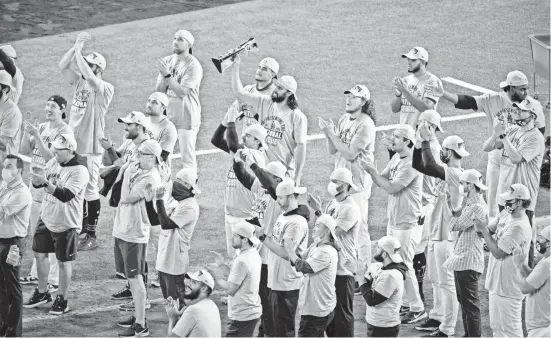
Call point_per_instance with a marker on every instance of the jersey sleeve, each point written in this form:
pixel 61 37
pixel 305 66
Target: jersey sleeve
pixel 238 272
pixel 78 180
pixel 364 136
pixel 347 218
pixel 386 285
pixel 539 275
pixel 10 123
pixel 168 139
pixel 104 95
pixel 192 76
pixel 532 146
pixel 319 260
pixel 511 238
pixel 432 82
pixel 295 233
pixel 186 323
pixel 183 216
pixel 300 127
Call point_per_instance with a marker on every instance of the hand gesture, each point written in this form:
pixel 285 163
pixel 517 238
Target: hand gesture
pixel 105 143
pixel 160 193
pixel 237 157
pixel 314 202
pixel 386 141
pixel 367 165
pixel 324 125
pixel 38 178
pixel 260 232
pixel 518 256
pixel 436 89
pixel 399 85
pixel 480 225
pixel 236 60
pixel 424 131
pixel 172 308
pixel 499 128
pixel 162 67
pixel 395 81
pixel 32 129
pixel 79 46
pixel 83 37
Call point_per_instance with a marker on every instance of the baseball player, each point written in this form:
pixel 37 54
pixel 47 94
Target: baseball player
pixel 7 58
pixel 10 119
pixel 37 142
pixel 405 222
pixel 411 94
pixel 497 107
pixel 180 76
pixel 160 128
pixel 64 181
pixel 91 99
pixel 279 114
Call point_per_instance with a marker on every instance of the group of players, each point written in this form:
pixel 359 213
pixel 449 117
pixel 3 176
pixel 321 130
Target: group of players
pixel 440 215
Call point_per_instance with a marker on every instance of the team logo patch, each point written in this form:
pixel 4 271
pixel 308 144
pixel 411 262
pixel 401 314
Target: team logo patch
pixel 275 128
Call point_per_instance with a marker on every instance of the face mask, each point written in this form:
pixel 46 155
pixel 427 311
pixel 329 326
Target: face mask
pixel 509 207
pixel 179 192
pixel 7 176
pixel 523 122
pixel 379 257
pixel 332 189
pixel 445 157
pixel 541 248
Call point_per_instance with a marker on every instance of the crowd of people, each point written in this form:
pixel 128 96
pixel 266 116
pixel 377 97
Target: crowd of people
pixel 440 214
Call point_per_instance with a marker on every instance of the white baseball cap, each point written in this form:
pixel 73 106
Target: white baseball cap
pixel 417 53
pixel 271 64
pixel 517 191
pixel 329 222
pixel 188 176
pixel 514 78
pixel 151 147
pixel 457 144
pixel 433 117
pixel 6 80
pixel 258 132
pixel 276 168
pixel 391 246
pixel 405 131
pixel 474 177
pixel 287 187
pixel 359 91
pixel 288 82
pixel 528 105
pixel 546 233
pixel 202 276
pixel 65 141
pixel 96 59
pixel 9 50
pixel 344 175
pixel 161 97
pixel 137 118
pixel 186 35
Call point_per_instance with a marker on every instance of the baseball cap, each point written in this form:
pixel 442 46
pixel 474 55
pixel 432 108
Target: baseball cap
pixel 245 230
pixel 151 147
pixel 161 97
pixel 456 144
pixel 137 118
pixel 258 131
pixel 96 59
pixel 472 176
pixel 202 276
pixel 359 91
pixel 390 245
pixel 528 105
pixel 288 82
pixel 287 187
pixel 186 35
pixel 276 168
pixel 417 53
pixel 405 131
pixel 433 117
pixel 514 78
pixel 517 191
pixel 271 64
pixel 5 79
pixel 329 222
pixel 60 101
pixel 546 233
pixel 344 175
pixel 188 176
pixel 9 50
pixel 65 141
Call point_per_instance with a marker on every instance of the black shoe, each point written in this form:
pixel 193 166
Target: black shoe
pixel 436 333
pixel 127 322
pixel 38 298
pixel 429 325
pixel 125 293
pixel 404 310
pixel 120 275
pixel 60 306
pixel 136 331
pixel 413 317
pixel 3 330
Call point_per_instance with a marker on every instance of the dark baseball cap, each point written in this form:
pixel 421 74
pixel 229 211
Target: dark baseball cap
pixel 60 101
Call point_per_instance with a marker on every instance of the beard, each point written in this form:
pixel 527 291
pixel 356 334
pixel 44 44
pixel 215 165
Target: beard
pixel 132 135
pixel 192 295
pixel 516 97
pixel 379 258
pixel 416 69
pixel 277 98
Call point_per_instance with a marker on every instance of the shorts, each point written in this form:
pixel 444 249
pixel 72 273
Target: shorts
pixel 130 258
pixel 64 244
pixel 92 188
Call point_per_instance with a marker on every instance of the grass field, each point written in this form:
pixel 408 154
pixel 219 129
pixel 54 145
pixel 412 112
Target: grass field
pixel 328 46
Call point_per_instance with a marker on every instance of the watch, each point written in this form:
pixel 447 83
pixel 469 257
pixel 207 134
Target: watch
pixel 502 136
pixel 167 76
pixel 262 238
pixel 317 213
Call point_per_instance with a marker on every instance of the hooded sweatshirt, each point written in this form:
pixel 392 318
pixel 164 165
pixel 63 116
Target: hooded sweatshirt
pixel 371 296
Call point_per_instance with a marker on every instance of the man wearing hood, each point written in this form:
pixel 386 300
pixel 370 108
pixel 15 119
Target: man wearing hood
pixel 383 288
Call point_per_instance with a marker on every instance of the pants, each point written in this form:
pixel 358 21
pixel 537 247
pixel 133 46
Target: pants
pixel 408 240
pixel 492 182
pixel 427 213
pixel 11 294
pixel 92 189
pixel 420 266
pixel 235 328
pixel 284 308
pixel 172 286
pixel 375 331
pixel 540 332
pixel 445 301
pixel 187 138
pixel 266 328
pixel 312 326
pixel 230 222
pixel 342 324
pixel 505 316
pixel 364 239
pixel 466 283
pixel 53 275
pixel 153 245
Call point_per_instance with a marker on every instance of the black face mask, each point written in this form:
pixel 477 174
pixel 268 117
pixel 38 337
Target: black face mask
pixel 541 248
pixel 179 192
pixel 379 257
pixel 445 157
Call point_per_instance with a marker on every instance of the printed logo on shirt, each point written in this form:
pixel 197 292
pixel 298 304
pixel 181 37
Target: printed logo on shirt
pixel 259 207
pixel 278 231
pixel 515 141
pixel 504 116
pixel 247 115
pixel 80 101
pixel 346 136
pixel 275 128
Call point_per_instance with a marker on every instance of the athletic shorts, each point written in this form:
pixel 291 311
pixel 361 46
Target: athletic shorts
pixel 130 258
pixel 64 244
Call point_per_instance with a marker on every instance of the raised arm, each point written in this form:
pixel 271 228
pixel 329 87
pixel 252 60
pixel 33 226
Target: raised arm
pixel 65 65
pixel 85 69
pixel 218 140
pixel 237 86
pixel 232 138
pixel 7 63
pixel 432 168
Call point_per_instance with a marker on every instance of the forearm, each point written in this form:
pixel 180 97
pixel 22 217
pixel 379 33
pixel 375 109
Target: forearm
pixel 417 103
pixel 47 154
pixel 300 160
pixel 237 87
pixel 231 138
pixel 417 160
pixel 465 102
pixel 110 156
pixel 276 248
pixel 161 85
pixel 452 97
pixel 330 147
pixel 396 104
pixel 171 323
pixel 491 244
pixel 342 148
pixel 525 270
pixel 429 163
pixel 512 152
pixel 26 146
pixel 218 140
pixel 164 219
pixel 490 143
pixel 62 194
pixel 66 60
pixel 242 175
pixel 177 88
pixel 83 67
pixel 7 63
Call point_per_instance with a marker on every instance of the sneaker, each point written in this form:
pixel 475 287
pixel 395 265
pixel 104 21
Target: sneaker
pixel 125 293
pixel 155 281
pixel 130 306
pixel 60 306
pixel 38 298
pixel 120 275
pixel 436 333
pixel 127 322
pixel 404 310
pixel 413 317
pixel 136 331
pixel 87 243
pixel 28 280
pixel 52 288
pixel 429 325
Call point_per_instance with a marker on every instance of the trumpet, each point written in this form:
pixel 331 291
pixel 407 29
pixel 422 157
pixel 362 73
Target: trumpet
pixel 225 60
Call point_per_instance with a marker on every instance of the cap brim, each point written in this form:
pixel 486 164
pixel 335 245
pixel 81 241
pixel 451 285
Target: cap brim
pixel 396 258
pixel 348 92
pixel 506 196
pixel 462 152
pixel 124 120
pixel 409 56
pixel 300 190
pixel 503 84
pixel 196 190
pixel 481 186
pixel 440 128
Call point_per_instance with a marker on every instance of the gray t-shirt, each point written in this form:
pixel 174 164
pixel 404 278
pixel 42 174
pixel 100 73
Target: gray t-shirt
pixel 390 284
pixel 199 320
pixel 538 303
pixel 245 304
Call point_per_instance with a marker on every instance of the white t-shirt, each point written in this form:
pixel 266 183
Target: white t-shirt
pixel 165 133
pixel 390 284
pixel 174 244
pixel 417 86
pixel 199 320
pixel 538 303
pixel 429 183
pixel 247 114
pixel 245 304
pixel 449 197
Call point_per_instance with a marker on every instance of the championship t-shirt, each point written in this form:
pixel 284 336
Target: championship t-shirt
pixel 128 152
pixel 449 198
pixel 538 303
pixel 165 133
pixel 390 284
pixel 247 114
pixel 417 86
pixel 87 115
pixel 245 304
pixel 201 319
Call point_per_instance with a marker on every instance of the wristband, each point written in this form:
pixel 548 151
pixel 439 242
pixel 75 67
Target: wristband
pixel 317 213
pixel 167 76
pixel 502 136
pixel 262 238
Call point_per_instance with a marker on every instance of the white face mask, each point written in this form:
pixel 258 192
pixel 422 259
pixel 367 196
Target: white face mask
pixel 332 189
pixel 7 175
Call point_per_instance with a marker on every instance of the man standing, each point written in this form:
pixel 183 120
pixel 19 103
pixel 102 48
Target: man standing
pixel 91 99
pixel 351 140
pixel 161 129
pixel 412 96
pixel 244 308
pixel 180 76
pixel 285 123
pixel 64 181
pixel 512 230
pixel 131 228
pixel 10 119
pixel 404 186
pixel 383 289
pixel 15 211
pixel 17 77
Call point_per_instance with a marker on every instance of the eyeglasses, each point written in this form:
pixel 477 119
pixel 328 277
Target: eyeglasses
pixel 140 153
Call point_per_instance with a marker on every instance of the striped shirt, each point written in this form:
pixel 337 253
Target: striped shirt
pixel 468 253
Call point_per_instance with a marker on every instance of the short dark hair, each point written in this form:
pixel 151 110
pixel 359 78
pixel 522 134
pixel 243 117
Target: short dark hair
pixel 410 144
pixel 19 161
pixel 209 290
pixel 476 188
pixel 4 86
pixel 526 203
pixel 292 102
